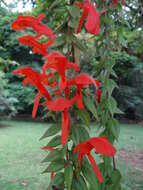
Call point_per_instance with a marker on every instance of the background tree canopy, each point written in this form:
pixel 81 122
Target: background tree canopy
pixel 16 100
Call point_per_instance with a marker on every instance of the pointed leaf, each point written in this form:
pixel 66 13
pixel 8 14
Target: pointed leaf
pixel 116 177
pixel 52 156
pixel 54 141
pixel 74 11
pixel 84 116
pixel 79 134
pixel 58 181
pixel 55 166
pixel 109 85
pixel 89 175
pixel 68 176
pixel 90 105
pixel 79 184
pixel 114 127
pixel 52 130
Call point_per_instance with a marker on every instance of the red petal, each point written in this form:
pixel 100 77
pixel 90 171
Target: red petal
pixel 84 79
pixel 59 104
pixel 102 146
pixel 36 103
pixel 81 21
pixel 79 101
pixel 37 46
pixel 67 91
pixel 97 83
pixel 98 95
pixel 34 79
pixel 63 82
pixel 52 175
pixel 65 127
pixel 73 66
pixel 92 23
pixel 23 22
pixel 83 148
pixel 95 168
pixel 41 16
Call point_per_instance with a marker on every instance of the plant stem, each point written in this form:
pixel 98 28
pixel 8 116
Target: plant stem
pixel 114 163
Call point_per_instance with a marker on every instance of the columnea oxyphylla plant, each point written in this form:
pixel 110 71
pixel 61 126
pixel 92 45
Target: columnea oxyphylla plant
pixel 69 154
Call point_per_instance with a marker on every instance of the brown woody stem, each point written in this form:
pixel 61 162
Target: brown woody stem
pixel 114 163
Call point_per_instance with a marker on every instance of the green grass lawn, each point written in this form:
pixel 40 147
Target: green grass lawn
pixel 20 156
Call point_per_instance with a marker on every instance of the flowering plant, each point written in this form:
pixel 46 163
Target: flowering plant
pixel 70 160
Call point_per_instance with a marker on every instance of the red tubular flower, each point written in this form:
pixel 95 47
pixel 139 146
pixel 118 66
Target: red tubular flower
pixel 62 104
pixel 101 145
pixel 59 62
pixel 35 79
pixel 23 22
pixel 98 91
pixel 36 103
pixel 65 126
pixel 92 22
pixel 80 81
pixel 37 46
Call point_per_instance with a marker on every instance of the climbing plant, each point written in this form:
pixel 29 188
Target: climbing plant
pixel 73 97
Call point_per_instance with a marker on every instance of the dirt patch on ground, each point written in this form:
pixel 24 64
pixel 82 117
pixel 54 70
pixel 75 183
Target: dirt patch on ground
pixel 132 157
pixel 4 126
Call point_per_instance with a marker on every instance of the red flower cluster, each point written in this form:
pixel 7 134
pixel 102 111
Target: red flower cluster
pixel 55 63
pixel 37 46
pixel 101 145
pixel 58 63
pixel 24 22
pixel 92 22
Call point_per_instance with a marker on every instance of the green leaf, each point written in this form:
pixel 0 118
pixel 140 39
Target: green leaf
pixel 118 111
pixel 54 4
pixel 112 105
pixel 68 176
pixel 79 134
pixel 62 27
pixel 84 116
pixel 60 41
pixel 114 127
pixel 55 166
pixel 52 130
pixel 58 181
pixel 109 85
pixel 89 174
pixel 90 105
pixel 54 141
pixel 116 177
pixel 74 11
pixel 49 114
pixel 80 184
pixel 54 155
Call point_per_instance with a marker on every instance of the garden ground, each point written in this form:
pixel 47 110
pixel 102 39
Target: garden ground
pixel 20 156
